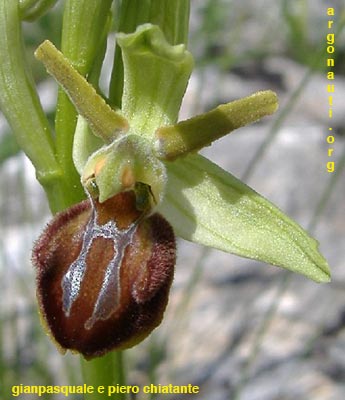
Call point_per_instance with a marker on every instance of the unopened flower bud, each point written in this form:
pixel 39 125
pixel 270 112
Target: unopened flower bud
pixel 104 272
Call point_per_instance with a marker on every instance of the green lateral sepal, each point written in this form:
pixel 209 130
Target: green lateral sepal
pixel 207 205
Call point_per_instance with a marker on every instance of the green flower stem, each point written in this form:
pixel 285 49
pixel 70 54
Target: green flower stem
pixel 172 16
pixel 83 27
pixel 21 106
pixel 105 122
pixel 195 133
pixel 19 100
pixel 83 23
pixel 105 371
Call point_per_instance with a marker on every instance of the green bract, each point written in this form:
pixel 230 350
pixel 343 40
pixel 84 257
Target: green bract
pixel 135 146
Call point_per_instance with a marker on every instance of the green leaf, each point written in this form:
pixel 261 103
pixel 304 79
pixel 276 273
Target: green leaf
pixel 207 205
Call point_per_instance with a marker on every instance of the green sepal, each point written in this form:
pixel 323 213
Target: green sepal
pixel 207 205
pixel 172 16
pixel 155 78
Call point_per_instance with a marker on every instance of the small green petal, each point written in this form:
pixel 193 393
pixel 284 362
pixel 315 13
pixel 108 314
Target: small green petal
pixel 105 122
pixel 84 144
pixel 195 133
pixel 207 205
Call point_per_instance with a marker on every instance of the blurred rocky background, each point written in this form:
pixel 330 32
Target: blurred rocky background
pixel 237 328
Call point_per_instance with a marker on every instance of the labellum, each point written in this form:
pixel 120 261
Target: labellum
pixel 104 271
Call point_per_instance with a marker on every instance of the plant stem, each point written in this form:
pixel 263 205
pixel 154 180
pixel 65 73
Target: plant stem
pixel 83 26
pixel 105 371
pixel 84 33
pixel 109 370
pixel 18 98
pixel 20 104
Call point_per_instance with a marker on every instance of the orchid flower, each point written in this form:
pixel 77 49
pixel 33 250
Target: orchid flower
pixel 145 180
